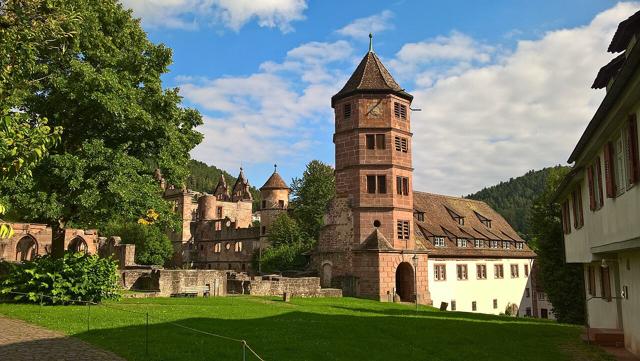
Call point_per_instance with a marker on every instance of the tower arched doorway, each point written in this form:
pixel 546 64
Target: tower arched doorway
pixel 78 245
pixel 26 249
pixel 404 282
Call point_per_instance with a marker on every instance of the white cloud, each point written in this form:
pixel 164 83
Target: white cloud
pixel 360 28
pixel 525 111
pixel 266 116
pixel 234 14
pixel 428 60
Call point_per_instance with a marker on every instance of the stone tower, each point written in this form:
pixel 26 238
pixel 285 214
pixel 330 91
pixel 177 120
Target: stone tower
pixel 275 200
pixel 367 246
pixel 373 153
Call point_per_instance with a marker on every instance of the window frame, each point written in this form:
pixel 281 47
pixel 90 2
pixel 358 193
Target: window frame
pixel 440 272
pixel 481 271
pixel 498 271
pixel 437 240
pixel 462 272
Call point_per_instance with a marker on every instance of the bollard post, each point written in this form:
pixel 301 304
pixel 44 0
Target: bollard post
pixel 146 338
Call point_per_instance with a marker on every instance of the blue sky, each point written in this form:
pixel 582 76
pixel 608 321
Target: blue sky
pixel 504 85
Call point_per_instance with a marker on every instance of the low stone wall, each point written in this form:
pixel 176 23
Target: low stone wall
pixel 276 286
pixel 169 282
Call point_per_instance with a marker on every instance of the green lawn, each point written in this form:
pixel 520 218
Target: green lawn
pixel 306 329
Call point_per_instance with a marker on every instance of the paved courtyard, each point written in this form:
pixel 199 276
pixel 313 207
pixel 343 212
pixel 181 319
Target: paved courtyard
pixel 21 341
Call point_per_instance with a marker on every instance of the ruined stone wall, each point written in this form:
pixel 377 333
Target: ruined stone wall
pixel 170 282
pixel 81 240
pixel 333 256
pixel 29 240
pixel 276 286
pixel 228 248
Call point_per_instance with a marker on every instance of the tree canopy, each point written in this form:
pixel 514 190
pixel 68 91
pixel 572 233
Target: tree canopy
pixel 514 198
pixel 563 282
pixel 311 195
pixel 90 70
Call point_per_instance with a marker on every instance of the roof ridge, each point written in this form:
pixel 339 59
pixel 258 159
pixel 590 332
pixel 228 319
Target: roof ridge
pixel 451 197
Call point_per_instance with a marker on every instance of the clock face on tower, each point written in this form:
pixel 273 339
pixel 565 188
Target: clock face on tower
pixel 374 109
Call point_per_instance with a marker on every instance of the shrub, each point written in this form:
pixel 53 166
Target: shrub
pixel 74 277
pixel 284 257
pixel 153 246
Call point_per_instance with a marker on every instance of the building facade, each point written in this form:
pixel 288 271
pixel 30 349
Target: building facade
pixel 384 241
pixel 600 197
pixel 223 234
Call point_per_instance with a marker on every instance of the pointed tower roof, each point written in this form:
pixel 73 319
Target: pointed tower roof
pixel 371 76
pixel 275 181
pixel 242 180
pixel 377 241
pixel 221 187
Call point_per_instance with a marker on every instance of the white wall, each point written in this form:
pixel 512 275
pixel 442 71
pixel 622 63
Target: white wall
pixel 484 291
pixel 616 221
pixel 602 313
pixel 630 277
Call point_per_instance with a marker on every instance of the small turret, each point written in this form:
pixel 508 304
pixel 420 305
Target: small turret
pixel 221 192
pixel 275 199
pixel 241 188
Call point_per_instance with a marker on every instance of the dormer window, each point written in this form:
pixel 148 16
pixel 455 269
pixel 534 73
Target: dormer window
pixel 347 111
pixel 461 242
pixel 477 243
pixel 494 244
pixel 438 241
pixel 505 245
pixel 484 220
pixel 456 217
pixel 520 246
pixel 420 216
pixel 400 110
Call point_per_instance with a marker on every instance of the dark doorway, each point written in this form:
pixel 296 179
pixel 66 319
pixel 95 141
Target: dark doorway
pixel 544 313
pixel 404 282
pixel 26 249
pixel 78 245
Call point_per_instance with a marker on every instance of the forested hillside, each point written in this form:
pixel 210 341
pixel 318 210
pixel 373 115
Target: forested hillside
pixel 513 199
pixel 204 178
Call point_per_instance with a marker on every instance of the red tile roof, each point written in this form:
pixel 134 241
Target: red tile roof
pixel 439 222
pixel 370 76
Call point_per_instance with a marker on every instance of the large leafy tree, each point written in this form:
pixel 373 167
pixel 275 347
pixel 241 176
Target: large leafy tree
pixel 99 79
pixel 562 282
pixel 311 195
pixel 287 245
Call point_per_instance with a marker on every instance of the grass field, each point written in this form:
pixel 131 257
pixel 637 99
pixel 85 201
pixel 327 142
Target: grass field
pixel 305 329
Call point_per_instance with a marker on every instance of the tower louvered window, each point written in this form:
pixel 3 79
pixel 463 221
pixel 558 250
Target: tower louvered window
pixel 347 111
pixel 403 230
pixel 402 144
pixel 400 110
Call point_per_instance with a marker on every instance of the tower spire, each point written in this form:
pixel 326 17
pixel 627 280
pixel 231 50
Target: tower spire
pixel 370 42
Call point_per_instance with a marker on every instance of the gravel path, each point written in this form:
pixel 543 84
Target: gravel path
pixel 21 341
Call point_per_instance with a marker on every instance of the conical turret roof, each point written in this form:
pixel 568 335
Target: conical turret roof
pixel 371 76
pixel 275 182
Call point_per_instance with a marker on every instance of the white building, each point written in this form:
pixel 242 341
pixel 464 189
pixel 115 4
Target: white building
pixel 477 262
pixel 600 199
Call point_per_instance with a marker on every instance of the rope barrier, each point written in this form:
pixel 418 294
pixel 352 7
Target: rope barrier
pixel 245 345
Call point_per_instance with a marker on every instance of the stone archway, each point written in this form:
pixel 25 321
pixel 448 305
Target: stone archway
pixel 405 282
pixel 327 270
pixel 78 245
pixel 26 249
